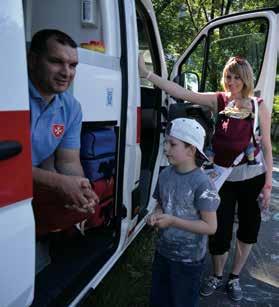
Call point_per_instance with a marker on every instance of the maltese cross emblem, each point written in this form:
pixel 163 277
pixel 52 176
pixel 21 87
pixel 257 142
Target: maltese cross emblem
pixel 57 130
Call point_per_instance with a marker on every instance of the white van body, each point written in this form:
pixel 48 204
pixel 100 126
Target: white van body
pixel 111 94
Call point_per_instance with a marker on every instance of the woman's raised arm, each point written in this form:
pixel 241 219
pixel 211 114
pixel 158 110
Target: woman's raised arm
pixel 177 91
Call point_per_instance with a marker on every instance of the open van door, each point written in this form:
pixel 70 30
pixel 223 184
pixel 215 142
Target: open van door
pixel 253 35
pixel 17 229
pixel 67 266
pixel 151 105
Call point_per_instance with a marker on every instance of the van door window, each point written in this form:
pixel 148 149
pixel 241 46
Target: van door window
pixel 191 70
pixel 207 60
pixel 275 112
pixel 245 39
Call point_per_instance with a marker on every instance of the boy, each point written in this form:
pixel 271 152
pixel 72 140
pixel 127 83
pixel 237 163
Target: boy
pixel 185 215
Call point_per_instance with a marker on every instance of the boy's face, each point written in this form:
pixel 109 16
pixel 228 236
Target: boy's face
pixel 177 151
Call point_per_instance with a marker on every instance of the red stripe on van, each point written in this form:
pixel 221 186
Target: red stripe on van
pixel 138 124
pixel 16 171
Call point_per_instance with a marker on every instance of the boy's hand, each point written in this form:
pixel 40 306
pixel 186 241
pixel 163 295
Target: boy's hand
pixel 151 219
pixel 164 220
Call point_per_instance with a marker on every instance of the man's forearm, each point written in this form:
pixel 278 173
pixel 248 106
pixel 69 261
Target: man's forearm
pixel 67 162
pixel 52 177
pixel 70 168
pixel 46 178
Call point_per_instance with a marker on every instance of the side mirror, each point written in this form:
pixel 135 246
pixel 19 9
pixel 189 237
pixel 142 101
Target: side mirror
pixel 190 80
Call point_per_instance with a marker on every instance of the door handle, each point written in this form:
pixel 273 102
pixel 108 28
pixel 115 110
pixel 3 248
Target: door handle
pixel 9 149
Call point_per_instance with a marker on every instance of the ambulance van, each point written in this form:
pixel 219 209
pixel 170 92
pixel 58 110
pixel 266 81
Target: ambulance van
pixel 110 34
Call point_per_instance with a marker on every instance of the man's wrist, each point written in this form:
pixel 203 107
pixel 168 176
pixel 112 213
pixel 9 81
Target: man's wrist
pixel 58 180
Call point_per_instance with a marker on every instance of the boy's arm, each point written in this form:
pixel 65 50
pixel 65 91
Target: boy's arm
pixel 206 225
pixel 177 91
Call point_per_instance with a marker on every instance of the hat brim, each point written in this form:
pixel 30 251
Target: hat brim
pixel 202 154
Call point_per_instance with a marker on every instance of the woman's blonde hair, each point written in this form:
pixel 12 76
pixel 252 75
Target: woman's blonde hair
pixel 241 67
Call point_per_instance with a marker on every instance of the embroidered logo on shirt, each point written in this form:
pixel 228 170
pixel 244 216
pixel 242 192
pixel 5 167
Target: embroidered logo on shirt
pixel 58 130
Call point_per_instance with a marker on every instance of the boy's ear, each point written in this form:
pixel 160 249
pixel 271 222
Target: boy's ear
pixel 193 150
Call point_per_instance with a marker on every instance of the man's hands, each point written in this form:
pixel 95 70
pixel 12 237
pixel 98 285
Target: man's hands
pixel 78 194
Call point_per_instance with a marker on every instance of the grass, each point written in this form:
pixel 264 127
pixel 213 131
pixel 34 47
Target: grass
pixel 128 283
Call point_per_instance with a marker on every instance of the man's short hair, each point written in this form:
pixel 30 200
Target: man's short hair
pixel 39 40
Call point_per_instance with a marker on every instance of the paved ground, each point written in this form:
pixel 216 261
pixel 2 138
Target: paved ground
pixel 260 278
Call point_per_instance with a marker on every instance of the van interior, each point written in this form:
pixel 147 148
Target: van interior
pixel 67 261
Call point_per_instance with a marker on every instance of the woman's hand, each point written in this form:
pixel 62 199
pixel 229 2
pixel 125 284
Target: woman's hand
pixel 266 196
pixel 143 71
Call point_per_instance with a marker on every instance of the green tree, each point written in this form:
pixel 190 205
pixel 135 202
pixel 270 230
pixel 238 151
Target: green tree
pixel 181 20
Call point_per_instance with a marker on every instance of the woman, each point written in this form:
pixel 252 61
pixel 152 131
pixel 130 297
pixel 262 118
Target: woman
pixel 246 181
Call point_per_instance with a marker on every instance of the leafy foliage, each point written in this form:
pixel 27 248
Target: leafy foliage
pixel 180 20
pixel 275 115
pixel 276 108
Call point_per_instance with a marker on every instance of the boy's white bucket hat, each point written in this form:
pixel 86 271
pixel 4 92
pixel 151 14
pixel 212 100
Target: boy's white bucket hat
pixel 190 131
